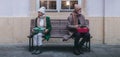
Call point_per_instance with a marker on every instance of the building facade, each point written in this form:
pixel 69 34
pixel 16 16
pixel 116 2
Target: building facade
pixel 15 16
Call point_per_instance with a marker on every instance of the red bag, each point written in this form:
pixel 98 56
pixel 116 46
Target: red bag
pixel 83 29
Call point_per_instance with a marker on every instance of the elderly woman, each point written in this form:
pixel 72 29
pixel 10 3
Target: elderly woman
pixel 76 20
pixel 42 28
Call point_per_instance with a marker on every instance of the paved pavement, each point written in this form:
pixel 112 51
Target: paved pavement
pixel 60 51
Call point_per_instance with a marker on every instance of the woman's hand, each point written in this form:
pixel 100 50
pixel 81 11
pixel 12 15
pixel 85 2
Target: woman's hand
pixel 32 30
pixel 46 30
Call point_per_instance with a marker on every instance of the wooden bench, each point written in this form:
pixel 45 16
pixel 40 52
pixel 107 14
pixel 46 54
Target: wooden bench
pixel 58 31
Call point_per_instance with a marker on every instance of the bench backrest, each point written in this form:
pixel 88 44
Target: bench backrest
pixel 58 27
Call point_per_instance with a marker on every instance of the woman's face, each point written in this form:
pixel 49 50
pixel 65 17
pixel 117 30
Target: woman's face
pixel 40 14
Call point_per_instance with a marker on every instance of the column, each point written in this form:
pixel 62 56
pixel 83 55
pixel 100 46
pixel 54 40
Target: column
pixel 58 5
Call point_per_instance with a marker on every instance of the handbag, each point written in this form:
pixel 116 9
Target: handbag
pixel 83 29
pixel 38 29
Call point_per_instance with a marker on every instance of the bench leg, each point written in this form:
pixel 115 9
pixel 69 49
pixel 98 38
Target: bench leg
pixel 86 45
pixel 30 44
pixel 89 45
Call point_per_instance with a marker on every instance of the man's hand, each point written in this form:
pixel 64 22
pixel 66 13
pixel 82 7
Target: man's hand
pixel 76 26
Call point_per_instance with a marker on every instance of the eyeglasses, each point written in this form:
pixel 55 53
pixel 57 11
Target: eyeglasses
pixel 79 9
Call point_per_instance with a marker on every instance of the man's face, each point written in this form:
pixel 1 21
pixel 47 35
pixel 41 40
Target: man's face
pixel 40 14
pixel 79 11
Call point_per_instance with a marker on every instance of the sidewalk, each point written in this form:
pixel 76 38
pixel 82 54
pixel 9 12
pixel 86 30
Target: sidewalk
pixel 60 51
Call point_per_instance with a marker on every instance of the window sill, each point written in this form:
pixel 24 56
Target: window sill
pixel 51 10
pixel 66 10
pixel 62 10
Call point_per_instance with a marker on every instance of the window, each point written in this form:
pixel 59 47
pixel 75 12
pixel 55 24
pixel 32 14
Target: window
pixel 49 4
pixel 68 4
pixel 58 5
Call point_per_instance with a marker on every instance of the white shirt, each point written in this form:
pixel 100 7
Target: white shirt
pixel 41 23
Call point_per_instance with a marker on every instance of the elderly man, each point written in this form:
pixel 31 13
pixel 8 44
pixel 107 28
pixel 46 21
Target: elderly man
pixel 76 20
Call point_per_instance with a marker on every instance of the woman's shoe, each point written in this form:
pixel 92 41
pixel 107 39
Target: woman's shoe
pixel 38 52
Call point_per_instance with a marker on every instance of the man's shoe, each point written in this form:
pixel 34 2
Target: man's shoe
pixel 81 52
pixel 34 51
pixel 76 52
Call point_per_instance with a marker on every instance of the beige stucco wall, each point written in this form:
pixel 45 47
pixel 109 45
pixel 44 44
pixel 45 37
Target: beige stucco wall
pixel 14 30
pixel 112 30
